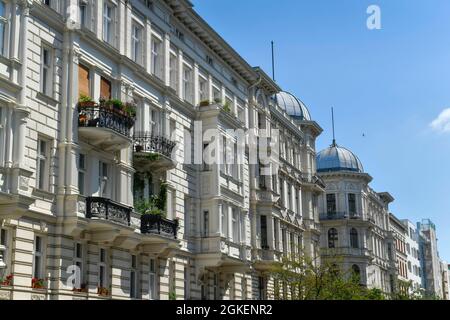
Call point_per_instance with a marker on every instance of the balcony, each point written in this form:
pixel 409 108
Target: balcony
pixel 108 210
pixel 339 216
pixel 156 224
pixel 345 251
pixel 104 125
pixel 153 153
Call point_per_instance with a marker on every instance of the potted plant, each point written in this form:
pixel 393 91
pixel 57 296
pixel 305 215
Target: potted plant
pixel 130 109
pixel 101 291
pixel 86 101
pixel 82 289
pixel 204 103
pixel 226 107
pixel 138 148
pixel 37 283
pixel 7 282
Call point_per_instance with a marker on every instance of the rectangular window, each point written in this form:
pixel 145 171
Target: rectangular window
pixel 108 23
pixel 331 203
pixel 152 280
pixel 187 283
pixel 283 240
pixel 187 84
pixel 202 89
pixel 261 288
pixel 82 174
pixel 244 288
pixel 3 28
pixel 105 88
pixel 84 81
pixel 216 287
pixel 136 43
pixel 46 71
pixel 133 278
pixel 235 224
pixel 157 58
pixel 206 224
pixel 104 191
pixel 78 259
pixel 4 250
pixel 352 204
pixel 264 243
pixel 217 95
pixel 289 195
pixel 38 258
pixel 276 234
pixel 173 65
pixel 102 269
pixel 292 244
pixel 42 167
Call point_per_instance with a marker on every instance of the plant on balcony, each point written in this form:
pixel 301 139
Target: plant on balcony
pixel 156 205
pixel 103 292
pixel 172 295
pixel 86 101
pixel 226 107
pixel 218 100
pixel 37 283
pixel 130 109
pixel 204 103
pixel 7 282
pixel 82 289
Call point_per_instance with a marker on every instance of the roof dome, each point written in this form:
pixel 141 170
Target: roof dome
pixel 292 105
pixel 336 158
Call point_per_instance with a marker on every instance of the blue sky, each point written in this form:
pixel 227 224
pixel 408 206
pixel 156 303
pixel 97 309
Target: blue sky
pixel 387 86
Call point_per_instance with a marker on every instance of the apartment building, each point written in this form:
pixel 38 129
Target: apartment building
pixel 399 230
pixel 103 108
pixel 354 220
pixel 413 256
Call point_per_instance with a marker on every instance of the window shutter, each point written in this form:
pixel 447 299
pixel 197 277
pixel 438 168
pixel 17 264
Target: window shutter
pixel 83 81
pixel 105 88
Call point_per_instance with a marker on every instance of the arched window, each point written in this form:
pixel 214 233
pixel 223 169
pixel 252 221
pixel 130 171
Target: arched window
pixel 354 238
pixel 356 271
pixel 332 238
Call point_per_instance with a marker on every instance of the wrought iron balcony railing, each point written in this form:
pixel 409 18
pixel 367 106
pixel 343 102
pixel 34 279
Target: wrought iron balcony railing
pixel 156 224
pixel 339 215
pixel 102 208
pixel 150 143
pixel 100 116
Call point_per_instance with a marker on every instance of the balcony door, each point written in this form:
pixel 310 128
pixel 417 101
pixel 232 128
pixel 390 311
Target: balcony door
pixel 104 180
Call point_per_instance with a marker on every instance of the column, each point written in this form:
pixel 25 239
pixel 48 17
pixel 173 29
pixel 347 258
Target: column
pixel 167 59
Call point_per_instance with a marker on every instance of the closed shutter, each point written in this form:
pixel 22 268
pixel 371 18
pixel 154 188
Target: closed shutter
pixel 83 81
pixel 105 88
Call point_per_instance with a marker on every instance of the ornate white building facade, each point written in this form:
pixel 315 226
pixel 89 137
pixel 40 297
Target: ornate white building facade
pixel 98 116
pixel 355 220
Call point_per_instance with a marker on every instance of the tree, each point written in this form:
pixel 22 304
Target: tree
pixel 301 278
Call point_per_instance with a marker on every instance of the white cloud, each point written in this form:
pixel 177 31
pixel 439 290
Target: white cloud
pixel 442 122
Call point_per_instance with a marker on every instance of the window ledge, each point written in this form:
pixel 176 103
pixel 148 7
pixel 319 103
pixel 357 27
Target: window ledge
pixel 43 194
pixel 46 98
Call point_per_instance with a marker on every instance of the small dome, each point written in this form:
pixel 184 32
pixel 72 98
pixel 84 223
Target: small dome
pixel 336 158
pixel 292 105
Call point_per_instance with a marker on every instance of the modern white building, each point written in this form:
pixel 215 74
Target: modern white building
pixel 413 255
pixel 100 103
pixel 355 219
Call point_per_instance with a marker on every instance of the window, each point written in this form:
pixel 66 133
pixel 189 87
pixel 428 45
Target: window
pixel 352 204
pixel 152 280
pixel 102 269
pixel 292 244
pixel 283 240
pixel 85 13
pixel 136 43
pixel 356 271
pixel 187 84
pixel 205 224
pixel 157 57
pixel 4 251
pixel 108 22
pixel 202 89
pixel 42 168
pixel 276 234
pixel 235 224
pixel 223 217
pixel 81 173
pixel 133 278
pixel 173 72
pixel 354 238
pixel 104 191
pixel 216 287
pixel 264 243
pixel 332 238
pixel 217 95
pixel 262 288
pixel 331 203
pixel 289 195
pixel 3 28
pixel 84 80
pixel 38 258
pixel 244 288
pixel 205 287
pixel 300 246
pixel 105 88
pixel 78 259
pixel 187 283
pixel 46 71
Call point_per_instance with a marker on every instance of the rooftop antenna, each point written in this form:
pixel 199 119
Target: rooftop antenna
pixel 273 62
pixel 332 119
